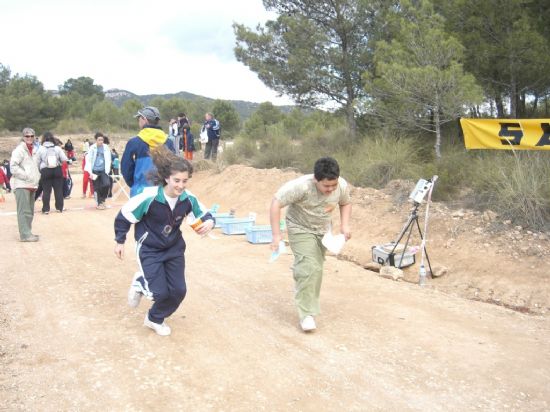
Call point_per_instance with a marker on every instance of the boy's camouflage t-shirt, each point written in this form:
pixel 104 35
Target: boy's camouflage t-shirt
pixel 309 211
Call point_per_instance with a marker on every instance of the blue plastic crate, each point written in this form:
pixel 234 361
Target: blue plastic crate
pixel 259 234
pixel 222 217
pixel 237 226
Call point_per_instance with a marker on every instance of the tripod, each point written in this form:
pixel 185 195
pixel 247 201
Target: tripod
pixel 413 218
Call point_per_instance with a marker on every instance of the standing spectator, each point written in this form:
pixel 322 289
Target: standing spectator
pixel 115 170
pixel 310 200
pixel 98 165
pixel 173 133
pixel 158 213
pixel 7 171
pixel 69 148
pixel 136 161
pixel 3 181
pixel 86 179
pixel 24 181
pixel 67 178
pixel 107 142
pixel 86 146
pixel 212 127
pixel 36 144
pixel 50 158
pixel 184 125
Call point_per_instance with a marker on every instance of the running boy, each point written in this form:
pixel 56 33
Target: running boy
pixel 158 213
pixel 310 200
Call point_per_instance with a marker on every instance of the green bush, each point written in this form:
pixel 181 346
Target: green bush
pixel 376 161
pixel 516 186
pixel 455 171
pixel 278 151
pixel 320 142
pixel 245 149
pixel 230 155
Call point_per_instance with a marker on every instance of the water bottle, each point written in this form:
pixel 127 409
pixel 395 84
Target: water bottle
pixel 422 277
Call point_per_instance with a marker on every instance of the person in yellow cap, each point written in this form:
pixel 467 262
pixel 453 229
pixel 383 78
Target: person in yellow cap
pixel 136 162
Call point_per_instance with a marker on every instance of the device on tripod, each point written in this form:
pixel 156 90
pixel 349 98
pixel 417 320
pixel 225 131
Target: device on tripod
pixel 386 254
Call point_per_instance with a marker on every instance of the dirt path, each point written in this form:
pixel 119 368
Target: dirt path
pixel 69 342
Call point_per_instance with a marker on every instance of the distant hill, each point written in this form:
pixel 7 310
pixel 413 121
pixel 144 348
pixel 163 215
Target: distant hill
pixel 245 109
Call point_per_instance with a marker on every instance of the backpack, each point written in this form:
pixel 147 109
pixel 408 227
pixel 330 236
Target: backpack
pixel 51 158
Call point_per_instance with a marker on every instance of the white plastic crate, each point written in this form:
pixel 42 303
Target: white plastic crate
pixel 259 234
pixel 222 217
pixel 237 226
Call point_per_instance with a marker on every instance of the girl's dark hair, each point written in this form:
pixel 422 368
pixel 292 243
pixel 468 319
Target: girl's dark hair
pixel 166 164
pixel 48 137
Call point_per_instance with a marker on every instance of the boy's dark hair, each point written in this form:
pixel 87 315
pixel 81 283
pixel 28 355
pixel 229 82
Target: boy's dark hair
pixel 326 168
pixel 98 134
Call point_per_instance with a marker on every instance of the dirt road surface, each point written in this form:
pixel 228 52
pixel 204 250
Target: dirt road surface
pixel 69 342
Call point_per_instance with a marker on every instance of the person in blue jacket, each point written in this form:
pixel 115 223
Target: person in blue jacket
pixel 213 129
pixel 158 213
pixel 136 161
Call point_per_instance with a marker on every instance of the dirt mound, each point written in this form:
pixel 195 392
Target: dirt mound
pixel 482 257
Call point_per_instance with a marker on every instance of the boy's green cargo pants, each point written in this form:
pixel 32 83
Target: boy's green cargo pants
pixel 309 256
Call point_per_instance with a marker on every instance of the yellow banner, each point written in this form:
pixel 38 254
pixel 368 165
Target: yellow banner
pixel 506 134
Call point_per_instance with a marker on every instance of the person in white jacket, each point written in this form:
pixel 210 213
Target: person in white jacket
pixel 98 165
pixel 50 160
pixel 24 182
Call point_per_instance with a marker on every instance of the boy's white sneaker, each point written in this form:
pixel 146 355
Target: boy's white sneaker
pixel 308 324
pixel 161 329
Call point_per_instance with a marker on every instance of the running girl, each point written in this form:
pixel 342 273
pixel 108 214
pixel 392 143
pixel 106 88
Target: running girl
pixel 158 213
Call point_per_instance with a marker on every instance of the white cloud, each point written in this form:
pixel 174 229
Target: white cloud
pixel 145 47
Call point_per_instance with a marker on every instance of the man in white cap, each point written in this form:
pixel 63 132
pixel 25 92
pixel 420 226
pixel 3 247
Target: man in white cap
pixel 24 182
pixel 136 161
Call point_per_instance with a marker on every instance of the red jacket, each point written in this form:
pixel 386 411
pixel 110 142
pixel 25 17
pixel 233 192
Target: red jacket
pixel 3 177
pixel 65 169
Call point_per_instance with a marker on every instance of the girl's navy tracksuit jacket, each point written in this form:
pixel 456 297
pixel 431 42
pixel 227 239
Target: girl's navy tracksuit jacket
pixel 160 246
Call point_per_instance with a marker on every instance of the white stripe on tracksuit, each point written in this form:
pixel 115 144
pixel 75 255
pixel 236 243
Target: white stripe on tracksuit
pixel 135 283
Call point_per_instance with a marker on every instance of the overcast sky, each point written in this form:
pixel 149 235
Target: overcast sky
pixel 143 46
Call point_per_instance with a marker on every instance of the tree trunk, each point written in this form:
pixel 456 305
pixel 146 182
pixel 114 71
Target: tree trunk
pixel 513 98
pixel 523 104
pixel 350 116
pixel 437 125
pixel 535 105
pixel 500 106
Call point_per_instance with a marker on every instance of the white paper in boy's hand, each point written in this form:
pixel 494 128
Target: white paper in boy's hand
pixel 277 253
pixel 333 243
